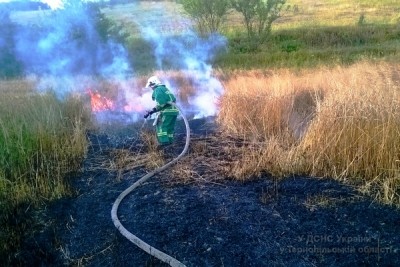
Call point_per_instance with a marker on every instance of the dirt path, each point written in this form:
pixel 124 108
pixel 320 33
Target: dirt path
pixel 297 221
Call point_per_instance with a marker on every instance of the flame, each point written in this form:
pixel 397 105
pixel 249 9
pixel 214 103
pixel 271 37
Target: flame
pixel 100 103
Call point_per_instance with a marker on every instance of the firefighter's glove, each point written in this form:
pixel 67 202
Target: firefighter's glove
pixel 154 110
pixel 146 115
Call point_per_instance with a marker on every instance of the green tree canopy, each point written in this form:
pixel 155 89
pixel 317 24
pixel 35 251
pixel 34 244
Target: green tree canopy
pixel 258 15
pixel 208 14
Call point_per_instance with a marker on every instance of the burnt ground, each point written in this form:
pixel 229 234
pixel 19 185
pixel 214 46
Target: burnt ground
pixel 294 221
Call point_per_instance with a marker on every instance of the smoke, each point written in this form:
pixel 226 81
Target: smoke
pixel 67 53
pixel 66 44
pixel 191 54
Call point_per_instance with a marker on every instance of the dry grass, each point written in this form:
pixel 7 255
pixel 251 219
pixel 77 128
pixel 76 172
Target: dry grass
pixel 155 155
pixel 339 122
pixel 42 139
pixel 199 166
pixel 320 13
pixel 149 157
pixel 356 131
pixel 267 104
pixel 338 12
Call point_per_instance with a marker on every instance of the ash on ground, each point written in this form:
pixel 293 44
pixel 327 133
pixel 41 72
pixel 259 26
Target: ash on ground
pixel 295 221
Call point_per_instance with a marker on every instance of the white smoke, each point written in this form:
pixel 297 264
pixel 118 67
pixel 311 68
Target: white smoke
pixel 194 59
pixel 65 54
pixel 187 52
pixel 66 45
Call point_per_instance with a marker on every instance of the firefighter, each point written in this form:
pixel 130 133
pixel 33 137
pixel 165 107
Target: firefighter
pixel 165 126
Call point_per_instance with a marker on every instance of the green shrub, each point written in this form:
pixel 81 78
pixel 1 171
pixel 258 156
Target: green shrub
pixel 208 14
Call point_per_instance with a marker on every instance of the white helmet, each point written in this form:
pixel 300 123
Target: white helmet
pixel 153 81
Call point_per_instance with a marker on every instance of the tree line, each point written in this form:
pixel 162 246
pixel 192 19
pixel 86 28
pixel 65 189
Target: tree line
pixel 258 15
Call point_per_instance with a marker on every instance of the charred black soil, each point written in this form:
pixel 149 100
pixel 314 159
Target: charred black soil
pixel 294 221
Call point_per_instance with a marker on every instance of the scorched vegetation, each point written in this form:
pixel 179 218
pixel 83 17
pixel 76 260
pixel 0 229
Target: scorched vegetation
pixel 314 92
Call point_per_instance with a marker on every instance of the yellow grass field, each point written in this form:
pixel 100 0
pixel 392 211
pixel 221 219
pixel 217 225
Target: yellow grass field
pixel 336 121
pixel 341 122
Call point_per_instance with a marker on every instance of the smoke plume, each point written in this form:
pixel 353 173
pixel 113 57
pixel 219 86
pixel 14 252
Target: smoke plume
pixel 65 52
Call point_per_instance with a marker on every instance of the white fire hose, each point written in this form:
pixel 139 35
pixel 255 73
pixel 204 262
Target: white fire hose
pixel 134 239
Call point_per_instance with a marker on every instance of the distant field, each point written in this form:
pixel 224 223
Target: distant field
pixel 165 17
pixel 308 33
pixel 338 12
pixel 296 13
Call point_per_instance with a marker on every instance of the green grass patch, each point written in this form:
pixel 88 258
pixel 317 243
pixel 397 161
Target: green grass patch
pixel 313 47
pixel 308 34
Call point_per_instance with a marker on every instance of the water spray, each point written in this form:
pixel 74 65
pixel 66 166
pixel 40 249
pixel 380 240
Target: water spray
pixel 131 237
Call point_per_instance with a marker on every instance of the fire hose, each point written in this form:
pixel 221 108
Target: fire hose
pixel 134 239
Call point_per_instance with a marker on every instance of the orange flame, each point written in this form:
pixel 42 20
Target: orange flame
pixel 99 102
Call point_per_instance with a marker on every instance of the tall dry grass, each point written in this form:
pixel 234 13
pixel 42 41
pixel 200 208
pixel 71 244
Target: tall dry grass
pixel 261 104
pixel 356 131
pixel 341 122
pixel 42 139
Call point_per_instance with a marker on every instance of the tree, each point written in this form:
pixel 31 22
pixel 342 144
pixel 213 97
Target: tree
pixel 258 15
pixel 208 14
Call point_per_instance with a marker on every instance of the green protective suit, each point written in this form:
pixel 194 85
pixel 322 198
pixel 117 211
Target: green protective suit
pixel 168 114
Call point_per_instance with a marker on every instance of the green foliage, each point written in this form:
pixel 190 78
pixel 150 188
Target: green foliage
pixel 208 14
pixel 243 45
pixel 103 25
pixel 290 46
pixel 311 47
pixel 258 15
